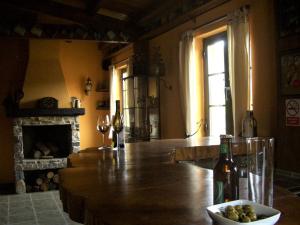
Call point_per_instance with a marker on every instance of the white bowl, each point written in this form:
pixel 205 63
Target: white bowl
pixel 273 214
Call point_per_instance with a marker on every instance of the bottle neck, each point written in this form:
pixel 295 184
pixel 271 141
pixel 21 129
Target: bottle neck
pixel 225 151
pixel 118 107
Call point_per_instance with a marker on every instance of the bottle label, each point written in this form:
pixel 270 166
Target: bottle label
pixel 219 192
pixel 243 188
pixel 224 148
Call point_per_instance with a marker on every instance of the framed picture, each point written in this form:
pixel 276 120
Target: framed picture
pixel 290 72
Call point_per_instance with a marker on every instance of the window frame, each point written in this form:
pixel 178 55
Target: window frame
pixel 228 100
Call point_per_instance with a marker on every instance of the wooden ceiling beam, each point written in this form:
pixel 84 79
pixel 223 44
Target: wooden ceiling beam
pixel 158 11
pixel 70 13
pixel 93 6
pixel 178 20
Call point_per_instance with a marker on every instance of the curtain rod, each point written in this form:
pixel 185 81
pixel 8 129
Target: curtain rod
pixel 120 62
pixel 220 19
pixel 215 21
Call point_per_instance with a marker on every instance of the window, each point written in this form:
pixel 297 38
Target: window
pixel 217 92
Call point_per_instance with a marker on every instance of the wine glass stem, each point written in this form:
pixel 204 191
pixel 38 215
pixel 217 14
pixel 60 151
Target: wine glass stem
pixel 103 139
pixel 117 141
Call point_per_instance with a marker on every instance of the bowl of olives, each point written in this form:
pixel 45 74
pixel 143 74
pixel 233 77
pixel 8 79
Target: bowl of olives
pixel 243 211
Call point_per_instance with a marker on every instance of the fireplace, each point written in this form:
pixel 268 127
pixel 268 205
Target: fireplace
pixel 55 135
pixel 50 141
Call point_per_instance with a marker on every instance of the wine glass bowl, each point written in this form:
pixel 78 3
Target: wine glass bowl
pixel 103 125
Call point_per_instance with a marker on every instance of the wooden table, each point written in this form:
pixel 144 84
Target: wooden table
pixel 142 187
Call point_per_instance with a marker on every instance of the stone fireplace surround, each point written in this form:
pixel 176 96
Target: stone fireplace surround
pixel 20 163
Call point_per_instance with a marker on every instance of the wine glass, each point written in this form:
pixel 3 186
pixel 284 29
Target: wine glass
pixel 103 124
pixel 117 123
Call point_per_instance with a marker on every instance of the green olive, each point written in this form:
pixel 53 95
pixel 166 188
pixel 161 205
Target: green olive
pixel 248 208
pixel 238 207
pixel 242 215
pixel 246 219
pixel 240 212
pixel 252 216
pixel 233 216
pixel 229 208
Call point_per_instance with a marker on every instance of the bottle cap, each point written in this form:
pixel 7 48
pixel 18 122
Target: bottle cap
pixel 226 136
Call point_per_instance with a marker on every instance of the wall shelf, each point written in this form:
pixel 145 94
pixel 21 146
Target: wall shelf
pixel 102 90
pixel 102 108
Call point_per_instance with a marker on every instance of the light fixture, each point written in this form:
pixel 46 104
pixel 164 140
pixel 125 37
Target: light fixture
pixel 88 86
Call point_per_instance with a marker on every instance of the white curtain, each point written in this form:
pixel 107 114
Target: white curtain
pixel 187 84
pixel 113 81
pixel 239 66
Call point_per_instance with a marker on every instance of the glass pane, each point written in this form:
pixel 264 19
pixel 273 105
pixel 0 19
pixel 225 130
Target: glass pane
pixel 124 74
pixel 217 120
pixel 129 122
pixel 154 122
pixel 140 91
pixel 215 56
pixel 140 118
pixel 152 88
pixel 128 93
pixel 216 89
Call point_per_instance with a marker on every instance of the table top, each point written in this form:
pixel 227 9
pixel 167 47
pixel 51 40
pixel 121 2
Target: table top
pixel 142 187
pixel 164 150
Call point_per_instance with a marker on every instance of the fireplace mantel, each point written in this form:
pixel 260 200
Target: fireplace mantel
pixel 35 112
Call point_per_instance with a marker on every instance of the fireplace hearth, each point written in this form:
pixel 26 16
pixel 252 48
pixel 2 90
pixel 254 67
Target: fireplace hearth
pixel 43 143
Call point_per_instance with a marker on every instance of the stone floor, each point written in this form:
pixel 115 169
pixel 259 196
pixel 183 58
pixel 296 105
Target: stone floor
pixel 43 208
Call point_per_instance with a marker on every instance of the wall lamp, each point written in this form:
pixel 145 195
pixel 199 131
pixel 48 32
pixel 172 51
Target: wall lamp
pixel 88 86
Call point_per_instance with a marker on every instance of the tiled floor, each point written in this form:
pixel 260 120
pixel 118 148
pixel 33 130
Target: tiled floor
pixel 33 209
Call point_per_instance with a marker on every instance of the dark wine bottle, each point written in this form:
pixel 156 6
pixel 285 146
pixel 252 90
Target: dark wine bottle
pixel 117 124
pixel 226 178
pixel 114 139
pixel 117 119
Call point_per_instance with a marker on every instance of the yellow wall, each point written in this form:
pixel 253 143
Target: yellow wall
pixel 44 75
pixel 263 37
pixel 78 60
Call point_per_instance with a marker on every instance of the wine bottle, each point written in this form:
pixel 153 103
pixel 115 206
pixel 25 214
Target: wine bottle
pixel 225 174
pixel 243 178
pixel 118 126
pixel 117 119
pixel 249 125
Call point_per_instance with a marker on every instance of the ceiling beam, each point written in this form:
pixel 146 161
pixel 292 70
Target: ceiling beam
pixel 180 19
pixel 93 6
pixel 70 13
pixel 158 11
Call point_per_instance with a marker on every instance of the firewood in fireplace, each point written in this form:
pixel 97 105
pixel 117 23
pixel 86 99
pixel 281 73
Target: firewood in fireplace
pixel 39 181
pixel 37 154
pixel 44 186
pixel 43 148
pixel 20 187
pixel 56 178
pixel 50 175
pixel 53 148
